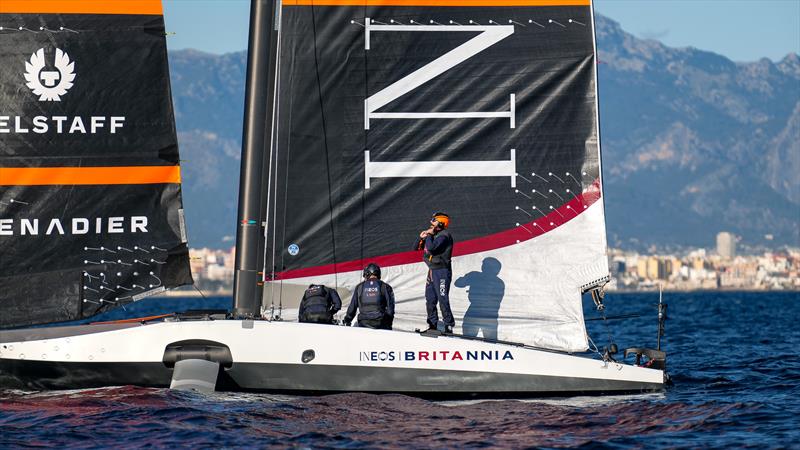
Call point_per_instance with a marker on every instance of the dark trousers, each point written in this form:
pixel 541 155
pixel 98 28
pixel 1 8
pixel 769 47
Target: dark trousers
pixel 317 318
pixel 384 323
pixel 437 290
pixel 322 322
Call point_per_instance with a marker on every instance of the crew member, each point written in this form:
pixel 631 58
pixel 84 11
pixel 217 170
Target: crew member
pixel 319 304
pixel 374 300
pixel 437 245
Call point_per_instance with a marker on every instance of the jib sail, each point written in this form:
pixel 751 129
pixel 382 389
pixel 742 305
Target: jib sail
pixel 391 110
pixel 90 199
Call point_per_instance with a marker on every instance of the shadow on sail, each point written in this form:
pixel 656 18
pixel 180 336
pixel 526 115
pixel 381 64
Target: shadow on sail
pixel 485 291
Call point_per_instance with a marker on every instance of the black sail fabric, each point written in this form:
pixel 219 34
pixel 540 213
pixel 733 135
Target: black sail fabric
pixel 90 203
pixel 392 110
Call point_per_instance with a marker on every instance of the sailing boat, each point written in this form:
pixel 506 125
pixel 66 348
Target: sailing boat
pixel 362 118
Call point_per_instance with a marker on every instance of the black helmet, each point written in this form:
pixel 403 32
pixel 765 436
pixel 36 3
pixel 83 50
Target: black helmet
pixel 372 269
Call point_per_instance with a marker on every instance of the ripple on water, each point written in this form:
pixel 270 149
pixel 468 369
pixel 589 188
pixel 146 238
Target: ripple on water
pixel 159 417
pixel 737 382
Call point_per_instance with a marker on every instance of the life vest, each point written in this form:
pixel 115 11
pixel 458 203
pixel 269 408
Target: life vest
pixel 442 260
pixel 316 304
pixel 372 300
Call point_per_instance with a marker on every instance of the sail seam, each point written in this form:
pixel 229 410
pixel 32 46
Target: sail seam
pixel 325 143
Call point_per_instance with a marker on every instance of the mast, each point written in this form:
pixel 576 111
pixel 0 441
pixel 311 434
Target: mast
pixel 256 138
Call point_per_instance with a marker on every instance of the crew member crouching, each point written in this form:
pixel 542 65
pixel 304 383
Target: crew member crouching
pixel 319 304
pixel 374 300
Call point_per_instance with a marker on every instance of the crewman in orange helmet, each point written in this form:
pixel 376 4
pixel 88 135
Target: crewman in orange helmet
pixel 437 245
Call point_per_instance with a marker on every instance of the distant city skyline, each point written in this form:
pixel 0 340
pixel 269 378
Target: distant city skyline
pixel 695 269
pixel 743 30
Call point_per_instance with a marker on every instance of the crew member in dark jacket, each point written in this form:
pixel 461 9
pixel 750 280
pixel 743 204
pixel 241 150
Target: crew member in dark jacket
pixel 374 300
pixel 319 304
pixel 437 245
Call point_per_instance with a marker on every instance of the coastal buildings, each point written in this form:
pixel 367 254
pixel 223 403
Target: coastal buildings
pixel 726 245
pixel 699 269
pixel 212 269
pixel 687 270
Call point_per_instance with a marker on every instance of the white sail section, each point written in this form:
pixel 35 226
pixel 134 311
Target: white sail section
pixel 528 293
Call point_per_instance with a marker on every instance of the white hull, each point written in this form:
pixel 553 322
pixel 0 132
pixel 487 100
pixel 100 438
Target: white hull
pixel 268 356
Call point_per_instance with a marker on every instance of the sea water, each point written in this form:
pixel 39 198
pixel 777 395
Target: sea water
pixel 733 357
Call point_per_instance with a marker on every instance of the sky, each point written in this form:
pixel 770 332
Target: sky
pixel 742 30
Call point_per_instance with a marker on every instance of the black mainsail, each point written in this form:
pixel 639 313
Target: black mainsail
pixel 91 214
pixel 389 110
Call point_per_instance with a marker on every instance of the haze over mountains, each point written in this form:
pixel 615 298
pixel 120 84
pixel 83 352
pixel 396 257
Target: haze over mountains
pixel 693 143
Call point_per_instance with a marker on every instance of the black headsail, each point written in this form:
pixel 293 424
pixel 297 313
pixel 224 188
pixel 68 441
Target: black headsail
pixel 90 203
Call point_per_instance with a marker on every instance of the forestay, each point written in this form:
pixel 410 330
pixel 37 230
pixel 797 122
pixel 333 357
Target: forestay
pixel 90 202
pixel 390 110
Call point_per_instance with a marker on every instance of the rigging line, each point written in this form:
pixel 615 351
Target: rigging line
pixel 274 236
pixel 285 176
pixel 273 155
pixel 607 326
pixel 325 141
pixel 267 221
pixel 286 179
pixel 274 240
pixel 623 316
pixel 596 350
pixel 199 291
pixel 366 143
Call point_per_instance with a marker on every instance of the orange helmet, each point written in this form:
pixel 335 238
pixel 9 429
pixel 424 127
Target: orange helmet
pixel 442 218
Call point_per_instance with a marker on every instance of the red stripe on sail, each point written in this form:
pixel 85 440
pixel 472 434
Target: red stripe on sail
pixel 522 233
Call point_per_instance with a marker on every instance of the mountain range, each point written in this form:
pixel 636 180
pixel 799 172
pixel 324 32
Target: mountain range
pixel 693 143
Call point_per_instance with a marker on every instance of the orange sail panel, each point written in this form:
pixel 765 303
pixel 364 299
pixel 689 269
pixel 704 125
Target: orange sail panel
pixel 52 176
pixel 143 7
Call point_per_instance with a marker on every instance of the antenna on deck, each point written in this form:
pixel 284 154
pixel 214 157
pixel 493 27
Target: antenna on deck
pixel 662 316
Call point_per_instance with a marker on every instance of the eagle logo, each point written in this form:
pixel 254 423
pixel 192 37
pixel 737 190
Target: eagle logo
pixel 49 85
